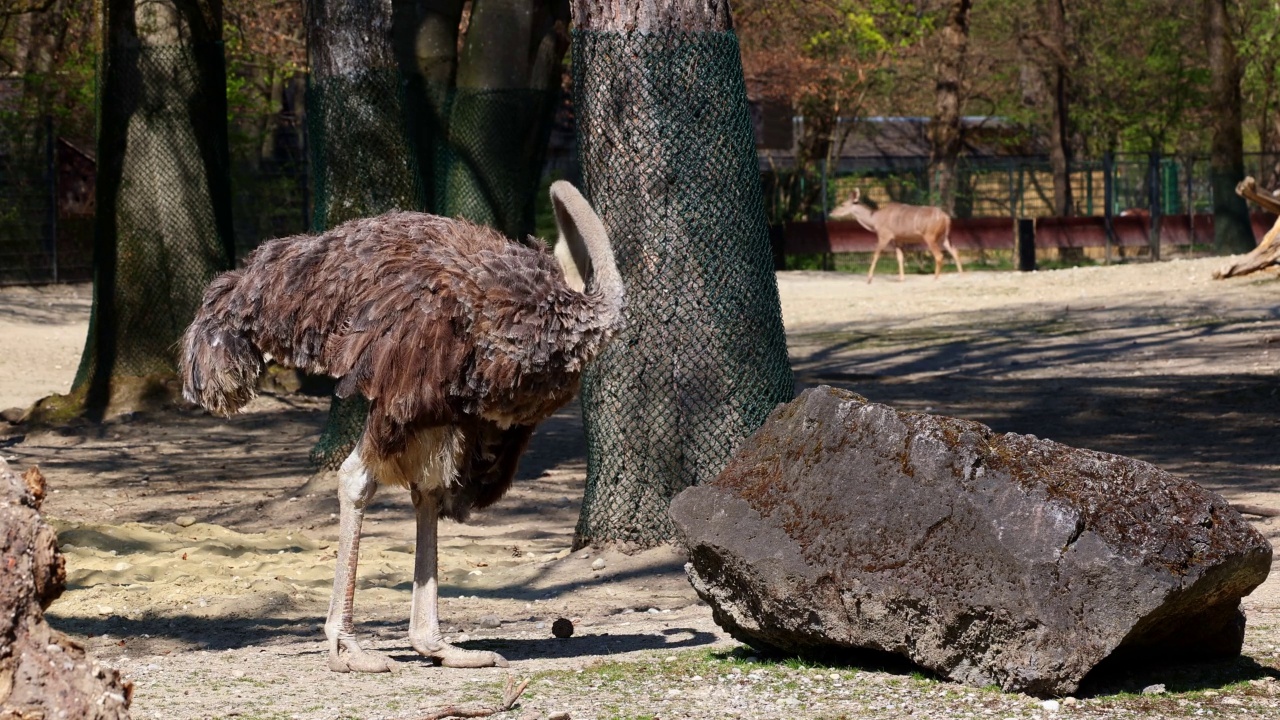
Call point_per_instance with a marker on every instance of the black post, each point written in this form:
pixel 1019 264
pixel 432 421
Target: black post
pixel 1153 197
pixel 1108 200
pixel 1026 244
pixel 51 172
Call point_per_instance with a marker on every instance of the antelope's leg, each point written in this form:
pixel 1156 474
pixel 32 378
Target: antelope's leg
pixel 937 262
pixel 875 258
pixel 954 255
pixel 355 489
pixel 424 620
pixel 902 275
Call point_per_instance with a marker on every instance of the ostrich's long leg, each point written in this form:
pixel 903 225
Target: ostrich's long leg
pixel 355 489
pixel 424 620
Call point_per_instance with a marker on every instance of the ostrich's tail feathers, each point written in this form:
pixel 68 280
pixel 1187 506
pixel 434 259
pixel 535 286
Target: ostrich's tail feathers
pixel 220 366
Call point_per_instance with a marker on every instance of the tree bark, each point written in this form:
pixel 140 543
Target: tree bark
pixel 43 673
pixel 669 163
pixel 163 222
pixel 507 81
pixel 1232 231
pixel 948 90
pixel 652 15
pixel 1060 125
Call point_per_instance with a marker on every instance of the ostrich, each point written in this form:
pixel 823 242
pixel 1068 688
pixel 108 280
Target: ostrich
pixel 462 341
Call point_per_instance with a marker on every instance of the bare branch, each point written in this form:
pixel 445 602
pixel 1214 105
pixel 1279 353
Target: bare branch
pixel 509 697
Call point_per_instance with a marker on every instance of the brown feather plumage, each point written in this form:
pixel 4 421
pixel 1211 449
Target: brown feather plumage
pixel 436 321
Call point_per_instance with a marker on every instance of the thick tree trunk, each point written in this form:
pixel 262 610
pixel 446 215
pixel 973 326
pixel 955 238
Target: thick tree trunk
pixel 43 673
pixel 651 15
pixel 948 89
pixel 362 162
pixel 163 223
pixel 1232 232
pixel 364 155
pixel 669 163
pixel 507 80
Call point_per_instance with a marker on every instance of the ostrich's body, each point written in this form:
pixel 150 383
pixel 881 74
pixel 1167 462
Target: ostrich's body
pixel 461 339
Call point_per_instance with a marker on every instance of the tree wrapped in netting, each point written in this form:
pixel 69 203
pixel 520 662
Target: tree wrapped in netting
pixel 669 163
pixel 163 223
pixel 421 120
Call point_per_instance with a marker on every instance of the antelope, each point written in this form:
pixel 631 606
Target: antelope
pixel 897 223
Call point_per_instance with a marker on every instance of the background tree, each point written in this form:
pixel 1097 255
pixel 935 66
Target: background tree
pixel 466 138
pixel 163 223
pixel 826 59
pixel 669 164
pixel 1232 231
pixel 949 78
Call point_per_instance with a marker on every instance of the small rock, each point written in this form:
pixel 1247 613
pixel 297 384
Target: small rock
pixel 184 520
pixel 1070 702
pixel 558 715
pixel 1050 705
pixel 105 609
pixel 653 611
pixel 541 626
pixel 1157 689
pixel 1232 701
pixel 12 415
pixel 562 628
pixel 121 566
pixel 669 658
pixel 598 564
pixel 464 638
pixel 237 673
pixel 490 621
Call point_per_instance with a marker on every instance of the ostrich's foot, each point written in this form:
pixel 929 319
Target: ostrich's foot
pixel 456 657
pixel 352 658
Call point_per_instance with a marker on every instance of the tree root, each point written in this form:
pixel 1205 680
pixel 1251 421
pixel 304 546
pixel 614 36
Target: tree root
pixel 509 697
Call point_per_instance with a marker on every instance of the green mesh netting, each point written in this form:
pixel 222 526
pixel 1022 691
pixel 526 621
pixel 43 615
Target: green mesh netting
pixel 362 163
pixel 163 227
pixel 489 156
pixel 669 163
pixel 481 152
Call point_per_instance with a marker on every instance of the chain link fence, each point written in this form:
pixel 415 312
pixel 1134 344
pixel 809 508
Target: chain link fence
pixel 1016 186
pixel 668 161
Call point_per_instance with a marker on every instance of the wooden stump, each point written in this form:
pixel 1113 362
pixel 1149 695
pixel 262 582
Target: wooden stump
pixel 43 673
pixel 1268 251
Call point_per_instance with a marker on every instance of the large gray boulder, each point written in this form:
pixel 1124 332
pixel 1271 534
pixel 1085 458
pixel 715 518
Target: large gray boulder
pixel 987 558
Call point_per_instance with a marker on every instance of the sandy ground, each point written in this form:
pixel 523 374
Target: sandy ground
pixel 217 614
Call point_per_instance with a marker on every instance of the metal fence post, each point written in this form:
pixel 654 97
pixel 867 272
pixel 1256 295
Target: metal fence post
pixel 1108 201
pixel 1153 198
pixel 1026 244
pixel 51 175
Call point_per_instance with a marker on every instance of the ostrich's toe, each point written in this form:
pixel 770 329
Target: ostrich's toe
pixel 353 659
pixel 456 657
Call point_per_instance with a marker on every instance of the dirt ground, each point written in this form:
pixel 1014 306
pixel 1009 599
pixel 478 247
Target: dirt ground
pixel 200 550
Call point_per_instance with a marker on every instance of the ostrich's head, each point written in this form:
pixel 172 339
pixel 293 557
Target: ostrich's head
pixel 583 248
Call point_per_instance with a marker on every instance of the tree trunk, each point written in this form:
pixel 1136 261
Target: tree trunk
pixel 1060 126
pixel 669 163
pixel 163 223
pixel 948 88
pixel 467 140
pixel 1232 232
pixel 43 673
pixel 364 157
pixel 507 80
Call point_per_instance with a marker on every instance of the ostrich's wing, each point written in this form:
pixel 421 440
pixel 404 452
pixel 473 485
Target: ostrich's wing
pixel 492 456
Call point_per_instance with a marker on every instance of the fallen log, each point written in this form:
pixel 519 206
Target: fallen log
pixel 43 673
pixel 1268 251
